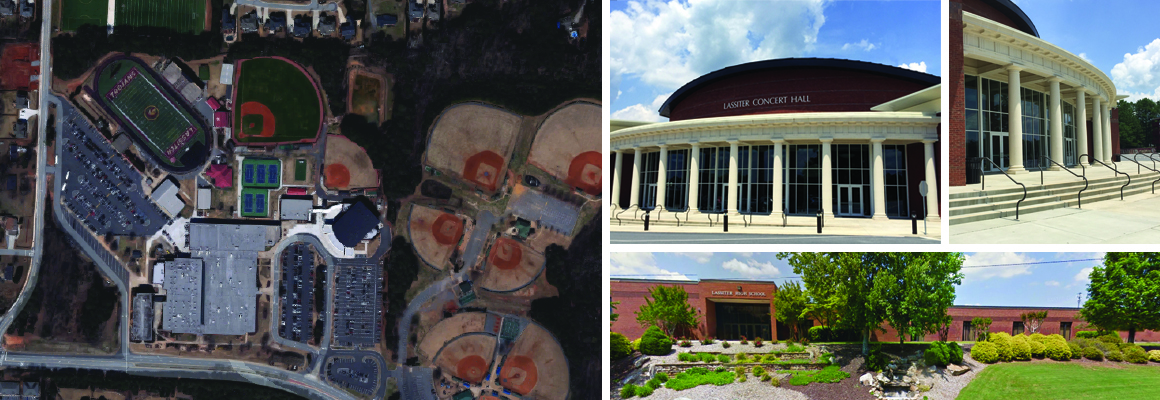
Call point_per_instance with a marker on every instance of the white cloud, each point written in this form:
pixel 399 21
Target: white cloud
pixel 1139 74
pixel 698 257
pixel 988 259
pixel 641 112
pixel 1051 283
pixel 1084 57
pixel 751 268
pixel 864 45
pixel 918 66
pixel 1083 275
pixel 669 43
pixel 640 265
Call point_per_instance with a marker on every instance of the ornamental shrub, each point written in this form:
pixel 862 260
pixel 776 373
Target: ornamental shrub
pixel 707 358
pixel 708 341
pixel 628 391
pixel 1076 351
pixel 1037 347
pixel 1111 338
pixel 1103 347
pixel 644 391
pixel 773 341
pixel 1003 345
pixel 1093 354
pixel 936 354
pixel 1087 334
pixel 661 376
pixel 1020 349
pixel 1136 355
pixel 954 353
pixel 757 342
pixel 765 378
pixel 655 343
pixel 1115 355
pixel 741 357
pixel 725 344
pixel 1124 346
pixel 686 357
pixel 685 343
pixel 985 352
pixel 619 345
pixel 768 359
pixel 876 361
pixel 819 333
pixel 1154 355
pixel 722 358
pixel 1057 349
pixel 652 384
pixel 744 340
pixel 758 371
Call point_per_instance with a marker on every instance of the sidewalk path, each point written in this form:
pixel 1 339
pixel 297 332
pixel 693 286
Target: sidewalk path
pixel 1136 219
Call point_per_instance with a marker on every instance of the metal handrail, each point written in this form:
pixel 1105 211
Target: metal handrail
pixel 617 216
pixel 1153 163
pixel 710 218
pixel 1081 156
pixel 1138 166
pixel 784 217
pixel 1078 196
pixel 983 182
pixel 1149 157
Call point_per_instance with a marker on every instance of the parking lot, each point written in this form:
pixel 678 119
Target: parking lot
pixel 297 293
pixel 360 376
pixel 356 304
pixel 552 213
pixel 101 187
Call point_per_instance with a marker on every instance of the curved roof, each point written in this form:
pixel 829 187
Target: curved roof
pixel 722 73
pixel 1008 8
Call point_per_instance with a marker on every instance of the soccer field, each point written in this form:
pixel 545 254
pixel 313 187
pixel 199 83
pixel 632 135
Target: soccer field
pixel 75 13
pixel 179 15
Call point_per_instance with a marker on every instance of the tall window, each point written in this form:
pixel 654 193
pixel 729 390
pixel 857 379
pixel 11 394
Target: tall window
pixel 1034 128
pixel 1016 327
pixel 648 180
pixel 713 180
pixel 1065 330
pixel 755 179
pixel 677 180
pixel 987 117
pixel 895 185
pixel 803 178
pixel 1069 145
pixel 850 166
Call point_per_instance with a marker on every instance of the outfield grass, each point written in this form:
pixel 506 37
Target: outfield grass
pixel 75 13
pixel 1049 380
pixel 287 92
pixel 179 15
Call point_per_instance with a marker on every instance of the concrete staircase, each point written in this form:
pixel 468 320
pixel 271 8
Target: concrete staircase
pixel 972 206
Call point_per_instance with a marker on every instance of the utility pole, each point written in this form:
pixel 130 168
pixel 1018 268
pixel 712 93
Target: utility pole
pixel 1079 300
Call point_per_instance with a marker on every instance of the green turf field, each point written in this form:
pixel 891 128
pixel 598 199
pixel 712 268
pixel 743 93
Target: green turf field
pixel 286 91
pixel 300 170
pixel 179 15
pixel 147 111
pixel 75 13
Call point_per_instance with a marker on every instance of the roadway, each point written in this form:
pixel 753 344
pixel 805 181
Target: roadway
pixel 313 6
pixel 754 238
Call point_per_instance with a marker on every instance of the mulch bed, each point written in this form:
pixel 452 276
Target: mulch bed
pixel 850 357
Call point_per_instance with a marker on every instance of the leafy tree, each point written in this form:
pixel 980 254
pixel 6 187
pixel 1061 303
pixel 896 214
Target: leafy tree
pixel 982 327
pixel 1124 293
pixel 914 290
pixel 1148 113
pixel 1131 127
pixel 614 316
pixel 790 306
pixel 668 309
pixel 1033 320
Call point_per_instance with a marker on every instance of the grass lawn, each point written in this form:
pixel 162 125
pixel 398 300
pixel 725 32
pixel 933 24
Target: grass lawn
pixel 79 12
pixel 179 15
pixel 1064 381
pixel 367 92
pixel 287 92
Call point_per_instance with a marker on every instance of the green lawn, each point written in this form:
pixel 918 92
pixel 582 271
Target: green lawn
pixel 1050 380
pixel 75 13
pixel 179 15
pixel 287 92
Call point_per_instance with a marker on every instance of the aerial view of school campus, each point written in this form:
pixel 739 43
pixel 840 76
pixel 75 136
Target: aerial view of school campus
pixel 323 199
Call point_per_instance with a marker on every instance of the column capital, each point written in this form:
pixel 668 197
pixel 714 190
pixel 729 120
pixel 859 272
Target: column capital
pixel 928 141
pixel 1055 78
pixel 826 140
pixel 778 141
pixel 877 140
pixel 733 141
pixel 1013 67
pixel 663 146
pixel 695 145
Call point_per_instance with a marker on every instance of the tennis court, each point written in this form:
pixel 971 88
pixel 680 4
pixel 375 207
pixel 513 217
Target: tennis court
pixel 261 173
pixel 255 202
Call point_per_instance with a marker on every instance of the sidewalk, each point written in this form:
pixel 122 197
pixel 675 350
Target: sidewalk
pixel 802 226
pixel 1136 219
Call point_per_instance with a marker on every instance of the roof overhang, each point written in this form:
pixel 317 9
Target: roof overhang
pixel 926 101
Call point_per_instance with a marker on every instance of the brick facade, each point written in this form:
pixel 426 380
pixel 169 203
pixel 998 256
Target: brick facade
pixel 957 129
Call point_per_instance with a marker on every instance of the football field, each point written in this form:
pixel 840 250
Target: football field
pixel 129 90
pixel 74 13
pixel 179 15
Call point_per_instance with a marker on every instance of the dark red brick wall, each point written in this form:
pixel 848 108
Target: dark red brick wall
pixel 626 161
pixel 982 9
pixel 954 82
pixel 829 89
pixel 1115 134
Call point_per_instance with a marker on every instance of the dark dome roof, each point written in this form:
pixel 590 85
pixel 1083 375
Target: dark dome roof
pixel 833 63
pixel 1008 8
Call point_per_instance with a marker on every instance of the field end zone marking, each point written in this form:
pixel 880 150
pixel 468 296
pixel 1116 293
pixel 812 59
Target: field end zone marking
pixel 112 18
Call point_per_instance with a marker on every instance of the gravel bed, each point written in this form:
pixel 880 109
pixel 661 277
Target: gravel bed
pixel 751 389
pixel 947 386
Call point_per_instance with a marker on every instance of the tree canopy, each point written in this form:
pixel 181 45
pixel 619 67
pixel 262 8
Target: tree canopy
pixel 1124 293
pixel 790 306
pixel 1138 123
pixel 668 308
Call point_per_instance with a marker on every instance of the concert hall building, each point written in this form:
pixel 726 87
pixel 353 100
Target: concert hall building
pixel 1018 102
pixel 797 136
pixel 731 309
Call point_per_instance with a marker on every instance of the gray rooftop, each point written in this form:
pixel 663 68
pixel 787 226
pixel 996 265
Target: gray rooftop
pixel 142 318
pixel 230 292
pixel 183 295
pixel 295 209
pixel 236 237
pixel 9 388
pixel 166 197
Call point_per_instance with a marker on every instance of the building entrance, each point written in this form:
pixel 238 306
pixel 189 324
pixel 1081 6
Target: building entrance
pixel 850 201
pixel 997 151
pixel 749 320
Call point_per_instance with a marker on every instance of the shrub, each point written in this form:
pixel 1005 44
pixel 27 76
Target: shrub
pixel 876 361
pixel 655 343
pixel 985 352
pixel 1038 337
pixel 741 357
pixel 744 340
pixel 636 344
pixel 819 333
pixel 1020 349
pixel 828 358
pixel 619 346
pixel 765 378
pixel 1115 355
pixel 1111 338
pixel 1103 347
pixel 757 342
pixel 1125 346
pixel 1136 355
pixel 936 354
pixel 661 376
pixel 805 341
pixel 698 376
pixel 722 358
pixel 954 353
pixel 653 384
pixel 768 359
pixel 739 371
pixel 686 357
pixel 720 369
pixel 924 388
pixel 758 371
pixel 743 378
pixel 628 391
pixel 1154 355
pixel 794 348
pixel 644 391
pixel 1087 334
pixel 774 341
pixel 1076 351
pixel 1093 354
pixel 1057 349
pixel 830 374
pixel 725 344
pixel 707 358
pixel 1003 345
pixel 708 341
pixel 686 343
pixel 776 382
pixel 1037 347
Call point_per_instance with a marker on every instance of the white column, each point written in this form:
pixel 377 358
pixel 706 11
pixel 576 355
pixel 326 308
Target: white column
pixel 878 180
pixel 1109 147
pixel 777 173
pixel 694 176
pixel 1055 136
pixel 731 201
pixel 1097 131
pixel 827 179
pixel 931 181
pixel 634 191
pixel 616 179
pixel 1015 122
pixel 660 206
pixel 1081 145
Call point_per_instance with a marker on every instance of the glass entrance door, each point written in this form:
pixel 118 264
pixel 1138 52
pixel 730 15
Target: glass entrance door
pixel 1069 151
pixel 997 151
pixel 850 200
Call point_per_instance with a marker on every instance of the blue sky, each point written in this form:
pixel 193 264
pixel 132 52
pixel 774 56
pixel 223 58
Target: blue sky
pixel 658 45
pixel 1042 281
pixel 1118 37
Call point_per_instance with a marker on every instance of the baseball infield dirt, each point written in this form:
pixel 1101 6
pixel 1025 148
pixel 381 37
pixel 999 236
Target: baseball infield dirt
pixel 567 145
pixel 474 141
pixel 435 234
pixel 535 366
pixel 343 153
pixel 510 266
pixel 448 329
pixel 468 357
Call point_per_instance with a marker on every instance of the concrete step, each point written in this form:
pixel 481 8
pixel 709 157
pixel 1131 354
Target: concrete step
pixel 1075 184
pixel 1040 197
pixel 1039 191
pixel 1063 202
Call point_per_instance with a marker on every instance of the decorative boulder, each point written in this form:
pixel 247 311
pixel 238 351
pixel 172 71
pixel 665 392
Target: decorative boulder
pixel 867 379
pixel 957 370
